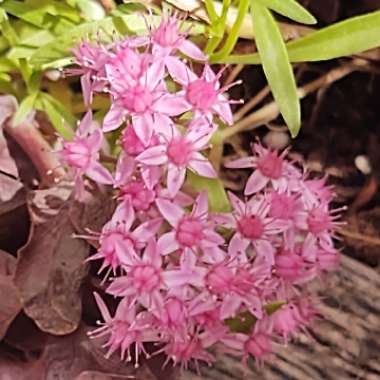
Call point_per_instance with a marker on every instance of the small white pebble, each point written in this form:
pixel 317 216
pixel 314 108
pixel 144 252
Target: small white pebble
pixel 277 140
pixel 53 75
pixel 362 163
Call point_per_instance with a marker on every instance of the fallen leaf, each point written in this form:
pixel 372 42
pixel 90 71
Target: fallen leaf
pixel 93 211
pixel 50 266
pixel 9 182
pixel 66 358
pixel 10 304
pixel 95 375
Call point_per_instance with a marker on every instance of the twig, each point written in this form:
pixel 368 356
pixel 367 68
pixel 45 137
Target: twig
pixel 108 5
pixel 38 150
pixel 359 236
pixel 271 111
pixel 233 74
pixel 260 96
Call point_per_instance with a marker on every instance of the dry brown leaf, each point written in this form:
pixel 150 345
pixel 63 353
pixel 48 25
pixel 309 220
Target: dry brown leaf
pixel 51 266
pixel 9 183
pixel 10 304
pixel 93 211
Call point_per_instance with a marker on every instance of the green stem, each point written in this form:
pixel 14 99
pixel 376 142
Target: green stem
pixel 234 33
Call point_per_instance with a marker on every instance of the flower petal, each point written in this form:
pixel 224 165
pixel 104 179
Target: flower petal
pixel 191 50
pixel 124 214
pixel 179 71
pixel 171 105
pixel 99 174
pixel 155 74
pixel 255 183
pixel 155 155
pixel 241 163
pixel 113 119
pixel 143 126
pixel 202 166
pixel 147 230
pixel 175 179
pixel 200 208
pixel 223 109
pixel 237 204
pixel 170 211
pixel 85 124
pixel 230 305
pixel 167 243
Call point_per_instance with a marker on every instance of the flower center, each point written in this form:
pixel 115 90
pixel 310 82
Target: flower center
pixel 77 153
pixel 128 62
pixel 201 94
pixel 146 278
pixel 138 99
pixel 140 195
pixel 179 151
pixel 175 313
pixel 189 232
pixel 251 227
pixel 220 279
pixel 131 143
pixel 318 220
pixel 270 165
pixel 288 266
pixel 110 244
pixel 167 34
pixel 282 206
pixel 258 345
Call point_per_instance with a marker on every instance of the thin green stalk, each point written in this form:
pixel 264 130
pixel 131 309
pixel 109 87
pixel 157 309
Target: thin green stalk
pixel 234 33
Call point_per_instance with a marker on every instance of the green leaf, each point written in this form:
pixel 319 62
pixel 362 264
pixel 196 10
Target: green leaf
pixel 291 9
pixel 6 64
pixel 343 39
pixel 60 118
pixel 91 10
pixel 276 65
pixel 24 109
pixel 8 32
pixel 20 51
pixel 35 11
pixel 32 35
pixel 218 26
pixel 234 32
pixel 217 196
pixel 244 322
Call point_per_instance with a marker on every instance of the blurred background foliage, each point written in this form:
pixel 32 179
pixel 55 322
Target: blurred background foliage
pixel 36 37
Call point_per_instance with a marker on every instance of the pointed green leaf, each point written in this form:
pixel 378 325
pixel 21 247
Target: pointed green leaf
pixel 276 65
pixel 343 39
pixel 91 9
pixel 24 109
pixel 217 196
pixel 59 118
pixel 291 9
pixel 233 35
pixel 244 322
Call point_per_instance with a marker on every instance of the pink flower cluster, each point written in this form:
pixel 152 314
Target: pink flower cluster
pixel 183 274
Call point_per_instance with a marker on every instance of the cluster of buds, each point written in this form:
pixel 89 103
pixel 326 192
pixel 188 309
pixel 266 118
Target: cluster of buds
pixel 186 276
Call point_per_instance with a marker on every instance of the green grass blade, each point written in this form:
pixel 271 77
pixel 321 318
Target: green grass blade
pixel 26 106
pixel 234 33
pixel 291 9
pixel 276 65
pixel 345 38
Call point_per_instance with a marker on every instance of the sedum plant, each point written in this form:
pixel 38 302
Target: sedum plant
pixel 36 36
pixel 189 277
